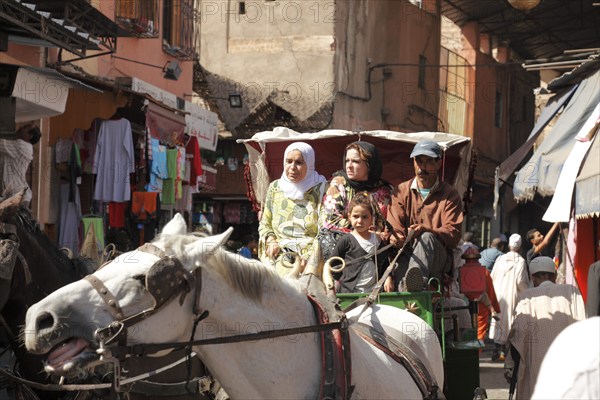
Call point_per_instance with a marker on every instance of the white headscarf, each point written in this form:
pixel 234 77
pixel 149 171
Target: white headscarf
pixel 296 190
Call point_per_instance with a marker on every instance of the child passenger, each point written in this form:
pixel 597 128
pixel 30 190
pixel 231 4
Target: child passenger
pixel 358 248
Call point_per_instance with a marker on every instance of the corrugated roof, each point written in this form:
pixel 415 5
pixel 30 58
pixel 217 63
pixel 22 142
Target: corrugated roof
pixel 543 32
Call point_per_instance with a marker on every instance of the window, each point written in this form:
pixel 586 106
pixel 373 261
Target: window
pixel 178 28
pixel 422 71
pixel 139 17
pixel 453 104
pixel 498 110
pixel 242 7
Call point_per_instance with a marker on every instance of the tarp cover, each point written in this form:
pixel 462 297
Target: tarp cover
pixel 266 149
pixel 587 184
pixel 508 166
pixel 540 174
pixel 559 209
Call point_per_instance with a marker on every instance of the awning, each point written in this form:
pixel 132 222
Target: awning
pixel 41 92
pixel 195 121
pixel 540 174
pixel 265 151
pixel 505 170
pixel 508 167
pixel 559 209
pixel 164 124
pixel 74 25
pixel 587 184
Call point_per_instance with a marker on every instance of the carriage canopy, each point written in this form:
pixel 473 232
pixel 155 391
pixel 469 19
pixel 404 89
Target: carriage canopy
pixel 266 149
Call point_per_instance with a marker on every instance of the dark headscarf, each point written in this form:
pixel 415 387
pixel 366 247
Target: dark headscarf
pixel 375 168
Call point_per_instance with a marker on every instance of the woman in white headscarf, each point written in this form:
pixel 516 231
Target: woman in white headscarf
pixel 290 215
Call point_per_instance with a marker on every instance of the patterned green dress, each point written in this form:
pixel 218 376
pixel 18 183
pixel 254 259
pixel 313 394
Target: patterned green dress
pixel 294 223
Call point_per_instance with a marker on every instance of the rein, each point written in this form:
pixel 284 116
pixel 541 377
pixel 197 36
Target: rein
pixel 147 349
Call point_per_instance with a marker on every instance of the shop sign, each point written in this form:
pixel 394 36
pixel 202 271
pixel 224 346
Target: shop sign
pixel 166 98
pixel 202 124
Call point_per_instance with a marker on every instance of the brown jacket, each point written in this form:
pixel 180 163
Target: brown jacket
pixel 441 211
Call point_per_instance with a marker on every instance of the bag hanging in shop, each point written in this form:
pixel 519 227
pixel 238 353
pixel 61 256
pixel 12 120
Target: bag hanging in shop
pixel 89 248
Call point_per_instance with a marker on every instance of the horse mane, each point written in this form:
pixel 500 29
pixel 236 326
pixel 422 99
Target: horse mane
pixel 246 276
pixel 38 241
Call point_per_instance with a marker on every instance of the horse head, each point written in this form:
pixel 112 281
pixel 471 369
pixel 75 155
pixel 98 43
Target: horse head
pixel 157 294
pixel 67 325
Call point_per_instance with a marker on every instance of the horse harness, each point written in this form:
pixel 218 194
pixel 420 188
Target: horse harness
pixel 168 278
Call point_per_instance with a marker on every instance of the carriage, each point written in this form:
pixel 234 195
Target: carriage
pixel 167 294
pixel 265 149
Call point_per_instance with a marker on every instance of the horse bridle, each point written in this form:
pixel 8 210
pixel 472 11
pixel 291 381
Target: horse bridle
pixel 164 280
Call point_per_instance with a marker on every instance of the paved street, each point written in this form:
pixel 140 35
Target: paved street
pixel 491 376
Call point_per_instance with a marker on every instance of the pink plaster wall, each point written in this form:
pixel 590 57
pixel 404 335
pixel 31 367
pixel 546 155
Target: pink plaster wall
pixel 148 51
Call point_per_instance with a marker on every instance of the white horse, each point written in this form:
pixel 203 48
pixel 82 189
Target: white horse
pixel 241 296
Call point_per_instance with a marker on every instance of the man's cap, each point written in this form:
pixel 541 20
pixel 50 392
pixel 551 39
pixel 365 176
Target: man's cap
pixel 427 148
pixel 496 242
pixel 515 240
pixel 503 238
pixel 542 264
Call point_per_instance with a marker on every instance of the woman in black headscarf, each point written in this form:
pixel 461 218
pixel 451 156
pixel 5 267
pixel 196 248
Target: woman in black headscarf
pixel 362 173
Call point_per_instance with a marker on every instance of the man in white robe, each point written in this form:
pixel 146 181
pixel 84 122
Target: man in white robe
pixel 15 156
pixel 510 278
pixel 542 312
pixel 571 367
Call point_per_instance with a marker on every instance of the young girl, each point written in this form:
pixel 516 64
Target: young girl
pixel 358 247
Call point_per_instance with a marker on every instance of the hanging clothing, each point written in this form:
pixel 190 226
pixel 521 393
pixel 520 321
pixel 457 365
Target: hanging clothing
pixel 185 202
pixel 167 196
pixel 116 214
pixel 70 214
pixel 114 160
pixel 180 173
pixel 144 206
pixel 193 149
pixel 62 150
pixel 86 141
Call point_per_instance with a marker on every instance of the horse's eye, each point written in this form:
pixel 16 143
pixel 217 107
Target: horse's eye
pixel 140 278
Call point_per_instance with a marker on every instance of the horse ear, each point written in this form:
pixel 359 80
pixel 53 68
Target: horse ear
pixel 204 248
pixel 176 226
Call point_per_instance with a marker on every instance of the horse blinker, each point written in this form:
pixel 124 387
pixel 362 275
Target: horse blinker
pixel 167 278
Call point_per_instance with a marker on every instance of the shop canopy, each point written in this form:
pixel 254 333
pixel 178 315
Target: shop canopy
pixel 266 149
pixel 563 153
pixel 33 93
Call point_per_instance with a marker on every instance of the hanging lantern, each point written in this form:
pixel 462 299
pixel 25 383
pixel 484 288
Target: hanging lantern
pixel 524 5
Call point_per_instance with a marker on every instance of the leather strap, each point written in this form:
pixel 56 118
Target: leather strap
pixel 403 355
pixel 113 304
pixel 144 387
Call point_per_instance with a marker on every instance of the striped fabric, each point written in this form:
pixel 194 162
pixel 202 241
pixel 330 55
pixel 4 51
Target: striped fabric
pixel 15 157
